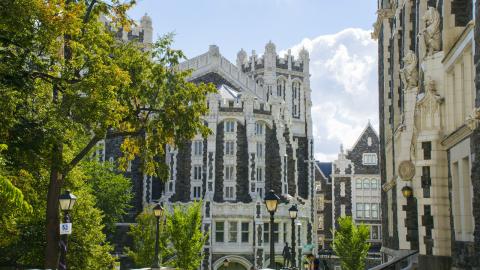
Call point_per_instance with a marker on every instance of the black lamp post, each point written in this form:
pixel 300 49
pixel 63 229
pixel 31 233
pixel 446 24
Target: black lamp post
pixel 293 211
pixel 66 200
pixel 271 201
pixel 157 211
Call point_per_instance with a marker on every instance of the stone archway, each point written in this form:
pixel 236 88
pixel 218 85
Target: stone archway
pixel 235 263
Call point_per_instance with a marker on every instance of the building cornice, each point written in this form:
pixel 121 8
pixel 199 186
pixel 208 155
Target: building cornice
pixel 382 14
pixel 465 38
pixel 456 136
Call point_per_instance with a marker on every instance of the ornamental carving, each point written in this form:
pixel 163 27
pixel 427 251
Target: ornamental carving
pixel 473 119
pixel 409 72
pixel 431 33
pixel 406 170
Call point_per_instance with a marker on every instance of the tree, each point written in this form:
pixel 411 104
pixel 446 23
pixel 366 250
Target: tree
pixel 112 192
pixel 185 231
pixel 350 244
pixel 143 234
pixel 181 238
pixel 66 84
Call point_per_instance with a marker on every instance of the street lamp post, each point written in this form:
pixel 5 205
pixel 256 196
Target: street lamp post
pixel 293 211
pixel 66 200
pixel 271 202
pixel 157 211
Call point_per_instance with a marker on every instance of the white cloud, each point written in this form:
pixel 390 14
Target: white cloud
pixel 344 88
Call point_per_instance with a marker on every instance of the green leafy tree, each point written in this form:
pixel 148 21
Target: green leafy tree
pixel 181 238
pixel 143 234
pixel 186 235
pixel 66 84
pixel 350 243
pixel 112 192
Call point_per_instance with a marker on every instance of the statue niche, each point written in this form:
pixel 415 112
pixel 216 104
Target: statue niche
pixel 431 33
pixel 409 72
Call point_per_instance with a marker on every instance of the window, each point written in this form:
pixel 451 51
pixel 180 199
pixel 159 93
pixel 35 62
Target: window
pixel 427 150
pixel 229 126
pixel 259 127
pixel 374 210
pixel 259 174
pixel 280 88
pixel 359 210
pixel 229 172
pixel 170 186
pixel 260 192
pixel 219 231
pixel 366 183
pixel 369 159
pixel 358 183
pixel 197 192
pixel 342 210
pixel 266 232
pixel 232 231
pixel 229 148
pixel 197 172
pixel 367 210
pixel 210 186
pixel 369 141
pixel 259 150
pixel 296 89
pixel 229 192
pixel 374 184
pixel 375 232
pixel 342 189
pixel 245 232
pixel 285 232
pixel 198 148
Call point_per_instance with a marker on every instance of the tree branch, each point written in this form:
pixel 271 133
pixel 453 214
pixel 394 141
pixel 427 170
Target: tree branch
pixel 93 141
pixel 89 11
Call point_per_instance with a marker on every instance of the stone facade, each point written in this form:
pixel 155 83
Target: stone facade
pixel 350 186
pixel 428 130
pixel 261 140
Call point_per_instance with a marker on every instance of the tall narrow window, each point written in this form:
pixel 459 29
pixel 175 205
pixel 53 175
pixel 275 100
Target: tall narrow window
pixel 427 150
pixel 259 150
pixel 245 232
pixel 197 172
pixel 367 210
pixel 229 148
pixel 374 210
pixel 229 126
pixel 219 231
pixel 232 231
pixel 359 210
pixel 366 183
pixel 198 148
pixel 229 172
pixel 259 127
pixel 259 174
pixel 229 192
pixel 197 192
pixel 358 183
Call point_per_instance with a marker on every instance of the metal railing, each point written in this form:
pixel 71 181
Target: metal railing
pixel 406 261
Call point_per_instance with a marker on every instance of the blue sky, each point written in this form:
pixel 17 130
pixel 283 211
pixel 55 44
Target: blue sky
pixel 336 33
pixel 250 24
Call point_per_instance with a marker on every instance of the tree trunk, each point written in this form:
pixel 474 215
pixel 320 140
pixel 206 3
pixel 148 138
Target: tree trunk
pixel 52 224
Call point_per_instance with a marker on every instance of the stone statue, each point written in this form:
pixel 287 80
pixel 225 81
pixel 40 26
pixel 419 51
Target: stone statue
pixel 431 33
pixel 286 255
pixel 409 72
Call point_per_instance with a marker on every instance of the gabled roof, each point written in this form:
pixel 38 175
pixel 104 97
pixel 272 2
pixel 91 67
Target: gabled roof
pixel 364 132
pixel 325 169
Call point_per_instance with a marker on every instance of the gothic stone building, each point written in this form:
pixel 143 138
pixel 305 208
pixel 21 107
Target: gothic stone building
pixel 261 139
pixel 429 131
pixel 351 187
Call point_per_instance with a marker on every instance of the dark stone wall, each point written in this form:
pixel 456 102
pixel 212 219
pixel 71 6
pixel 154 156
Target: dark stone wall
pixel 429 262
pixel 290 166
pixel 302 167
pixel 218 196
pixel 272 161
pixel 346 200
pixel 182 183
pixel 242 165
pixel 326 212
pixel 356 153
pixel 462 9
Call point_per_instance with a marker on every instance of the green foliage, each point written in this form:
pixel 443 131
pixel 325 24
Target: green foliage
pixel 112 192
pixel 143 234
pixel 185 230
pixel 350 244
pixel 181 237
pixel 65 84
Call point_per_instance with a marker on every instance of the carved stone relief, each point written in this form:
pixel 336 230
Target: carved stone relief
pixel 409 72
pixel 431 33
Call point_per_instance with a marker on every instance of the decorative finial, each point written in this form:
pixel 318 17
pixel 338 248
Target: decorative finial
pixel 341 148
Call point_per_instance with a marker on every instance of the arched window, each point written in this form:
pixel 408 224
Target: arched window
pixel 296 99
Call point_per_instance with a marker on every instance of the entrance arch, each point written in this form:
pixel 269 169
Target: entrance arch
pixel 235 263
